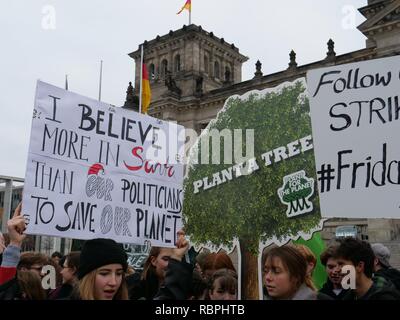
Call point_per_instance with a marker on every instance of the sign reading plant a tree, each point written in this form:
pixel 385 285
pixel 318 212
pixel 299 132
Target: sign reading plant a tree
pixel 255 186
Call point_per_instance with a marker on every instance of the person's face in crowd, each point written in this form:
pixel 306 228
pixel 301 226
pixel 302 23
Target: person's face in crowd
pixel 310 268
pixel 108 280
pixel 334 271
pixel 160 263
pixel 68 274
pixel 279 283
pixel 219 293
pixel 343 262
pixel 56 260
pixel 36 268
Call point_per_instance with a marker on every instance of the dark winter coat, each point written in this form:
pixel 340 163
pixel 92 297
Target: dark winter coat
pixel 10 290
pixel 380 290
pixel 177 284
pixel 62 292
pixel 178 281
pixel 140 289
pixel 327 289
pixel 390 274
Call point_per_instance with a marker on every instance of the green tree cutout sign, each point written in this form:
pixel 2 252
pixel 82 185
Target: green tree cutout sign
pixel 247 207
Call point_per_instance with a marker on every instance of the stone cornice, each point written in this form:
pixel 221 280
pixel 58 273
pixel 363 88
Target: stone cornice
pixel 217 97
pixel 373 20
pixel 372 9
pixel 389 26
pixel 191 32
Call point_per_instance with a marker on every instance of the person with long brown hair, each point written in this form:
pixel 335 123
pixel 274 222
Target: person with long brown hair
pixel 152 276
pixel 20 278
pixel 69 275
pixel 30 286
pixel 285 272
pixel 166 274
pixel 311 260
pixel 215 261
pixel 223 285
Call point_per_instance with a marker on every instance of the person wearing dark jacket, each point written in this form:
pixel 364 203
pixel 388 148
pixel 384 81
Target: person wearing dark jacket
pixel 165 276
pixel 147 285
pixel 177 284
pixel 359 255
pixel 382 266
pixel 381 289
pixel 23 284
pixel 69 274
pixel 333 286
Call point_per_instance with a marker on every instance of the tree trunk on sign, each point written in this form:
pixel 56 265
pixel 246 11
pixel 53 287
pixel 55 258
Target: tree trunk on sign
pixel 249 272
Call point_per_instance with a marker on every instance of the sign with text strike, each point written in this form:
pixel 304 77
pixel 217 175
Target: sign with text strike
pixel 95 170
pixel 355 113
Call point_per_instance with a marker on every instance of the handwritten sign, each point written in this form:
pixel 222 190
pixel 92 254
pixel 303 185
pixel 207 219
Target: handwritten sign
pixel 98 171
pixel 355 114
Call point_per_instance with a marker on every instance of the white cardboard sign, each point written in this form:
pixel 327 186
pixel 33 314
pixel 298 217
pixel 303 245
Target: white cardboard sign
pixel 95 170
pixel 355 113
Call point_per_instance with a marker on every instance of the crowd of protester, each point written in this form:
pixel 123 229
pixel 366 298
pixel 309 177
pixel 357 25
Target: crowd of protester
pixel 100 272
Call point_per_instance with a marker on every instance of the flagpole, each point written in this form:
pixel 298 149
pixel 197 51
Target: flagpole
pixel 101 74
pixel 141 79
pixel 190 16
pixel 66 82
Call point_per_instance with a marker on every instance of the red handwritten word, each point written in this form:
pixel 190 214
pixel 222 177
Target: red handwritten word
pixel 149 166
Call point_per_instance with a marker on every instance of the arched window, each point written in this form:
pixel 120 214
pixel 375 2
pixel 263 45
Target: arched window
pixel 152 71
pixel 216 69
pixel 177 63
pixel 206 64
pixel 227 74
pixel 164 67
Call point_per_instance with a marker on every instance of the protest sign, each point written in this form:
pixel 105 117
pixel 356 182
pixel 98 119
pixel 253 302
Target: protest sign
pixel 255 185
pixel 95 170
pixel 355 121
pixel 137 254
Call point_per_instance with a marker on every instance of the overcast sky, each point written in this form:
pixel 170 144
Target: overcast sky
pixel 47 39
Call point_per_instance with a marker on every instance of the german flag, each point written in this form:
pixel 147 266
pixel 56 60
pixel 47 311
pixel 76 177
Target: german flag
pixel 146 92
pixel 187 6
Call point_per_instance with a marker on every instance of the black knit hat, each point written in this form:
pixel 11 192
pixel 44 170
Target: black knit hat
pixel 100 252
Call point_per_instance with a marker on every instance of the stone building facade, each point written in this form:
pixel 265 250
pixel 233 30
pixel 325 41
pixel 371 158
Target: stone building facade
pixel 193 72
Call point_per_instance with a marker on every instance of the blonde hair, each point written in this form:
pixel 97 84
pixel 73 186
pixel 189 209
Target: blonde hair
pixel 310 258
pixel 87 284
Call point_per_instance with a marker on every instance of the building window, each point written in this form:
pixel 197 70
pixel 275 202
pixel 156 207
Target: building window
pixel 216 69
pixel 164 68
pixel 152 71
pixel 177 63
pixel 206 64
pixel 227 74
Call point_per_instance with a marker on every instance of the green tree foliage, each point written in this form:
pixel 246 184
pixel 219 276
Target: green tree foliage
pixel 249 207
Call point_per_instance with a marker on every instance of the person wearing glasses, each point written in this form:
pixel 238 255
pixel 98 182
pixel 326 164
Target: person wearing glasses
pixel 20 275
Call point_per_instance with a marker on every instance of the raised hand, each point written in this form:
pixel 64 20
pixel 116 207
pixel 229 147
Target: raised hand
pixel 16 227
pixel 182 245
